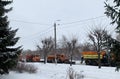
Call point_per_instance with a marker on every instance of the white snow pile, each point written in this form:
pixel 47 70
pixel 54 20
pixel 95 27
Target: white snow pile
pixel 59 71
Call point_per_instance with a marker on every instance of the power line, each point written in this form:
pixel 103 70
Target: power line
pixel 28 22
pixel 39 33
pixel 43 32
pixel 83 20
pixel 60 24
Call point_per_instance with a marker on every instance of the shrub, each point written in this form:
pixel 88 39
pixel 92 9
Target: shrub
pixel 23 67
pixel 117 66
pixel 31 68
pixel 71 74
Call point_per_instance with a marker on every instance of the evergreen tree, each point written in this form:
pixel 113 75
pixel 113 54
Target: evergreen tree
pixel 115 48
pixel 113 12
pixel 8 54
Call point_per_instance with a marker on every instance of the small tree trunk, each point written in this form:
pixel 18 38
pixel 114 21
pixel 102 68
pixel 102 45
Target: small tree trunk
pixel 109 60
pixel 71 57
pixel 99 61
pixel 44 59
pixel 71 60
pixel 55 59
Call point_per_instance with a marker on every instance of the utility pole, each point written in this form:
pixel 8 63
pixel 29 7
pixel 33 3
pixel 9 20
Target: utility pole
pixel 55 39
pixel 55 42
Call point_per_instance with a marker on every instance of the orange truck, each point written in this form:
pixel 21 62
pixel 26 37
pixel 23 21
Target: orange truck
pixel 61 58
pixel 91 58
pixel 32 58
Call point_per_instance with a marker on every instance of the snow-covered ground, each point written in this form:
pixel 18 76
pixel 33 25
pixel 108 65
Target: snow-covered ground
pixel 59 71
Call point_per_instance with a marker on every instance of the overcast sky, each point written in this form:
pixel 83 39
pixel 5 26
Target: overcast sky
pixel 35 19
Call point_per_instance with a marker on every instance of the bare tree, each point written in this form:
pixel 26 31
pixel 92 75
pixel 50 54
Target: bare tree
pixel 73 47
pixel 64 46
pixel 47 46
pixel 98 38
pixel 87 47
pixel 70 47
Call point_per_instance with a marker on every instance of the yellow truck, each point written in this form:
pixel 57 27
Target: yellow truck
pixel 91 58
